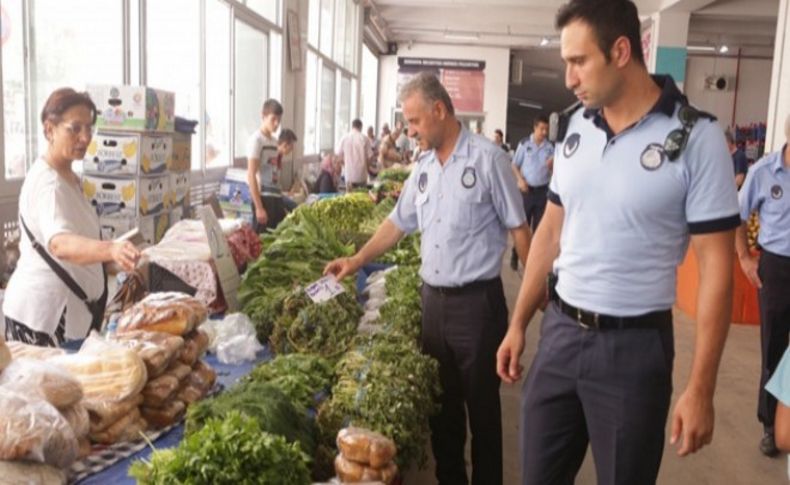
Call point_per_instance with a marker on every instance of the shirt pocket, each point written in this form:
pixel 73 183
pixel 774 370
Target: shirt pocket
pixel 468 208
pixel 422 206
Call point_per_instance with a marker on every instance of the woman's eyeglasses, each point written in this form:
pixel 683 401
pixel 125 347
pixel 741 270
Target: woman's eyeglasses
pixel 76 129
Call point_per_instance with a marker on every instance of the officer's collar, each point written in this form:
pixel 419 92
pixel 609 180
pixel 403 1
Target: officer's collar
pixel 670 96
pixel 779 163
pixel 461 146
pixel 532 140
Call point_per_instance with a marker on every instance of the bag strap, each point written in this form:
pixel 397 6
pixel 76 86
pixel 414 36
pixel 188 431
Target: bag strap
pixel 58 269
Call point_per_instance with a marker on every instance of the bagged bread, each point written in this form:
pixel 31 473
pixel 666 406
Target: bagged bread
pixel 190 394
pixel 85 447
pixel 19 350
pixel 28 473
pixel 170 312
pixel 179 370
pixel 108 372
pixel 157 349
pixel 78 418
pixel 42 379
pixel 162 417
pixel 5 354
pixel 32 429
pixel 365 446
pixel 124 429
pixel 202 376
pixel 104 414
pixel 352 472
pixel 195 345
pixel 159 390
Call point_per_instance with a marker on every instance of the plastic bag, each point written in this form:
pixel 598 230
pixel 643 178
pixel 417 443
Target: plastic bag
pixel 32 429
pixel 127 428
pixel 179 370
pixel 78 418
pixel 159 390
pixel 104 414
pixel 157 349
pixel 234 339
pixel 19 350
pixel 162 417
pixel 5 354
pixel 170 312
pixel 21 472
pixel 352 472
pixel 42 379
pixel 202 376
pixel 366 447
pixel 111 375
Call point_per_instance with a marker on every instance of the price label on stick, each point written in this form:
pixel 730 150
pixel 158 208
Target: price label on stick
pixel 324 289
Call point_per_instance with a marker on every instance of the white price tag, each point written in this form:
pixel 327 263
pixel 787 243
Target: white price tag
pixel 324 289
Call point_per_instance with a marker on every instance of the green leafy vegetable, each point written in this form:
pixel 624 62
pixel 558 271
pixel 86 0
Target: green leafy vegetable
pixel 301 377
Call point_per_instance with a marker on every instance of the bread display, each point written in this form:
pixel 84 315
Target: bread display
pixel 157 349
pixel 19 350
pixel 202 376
pixel 5 354
pixel 195 345
pixel 352 472
pixel 162 417
pixel 42 379
pixel 118 430
pixel 366 447
pixel 18 472
pixel 179 370
pixel 159 390
pixel 104 414
pixel 169 312
pixel 78 418
pixel 111 374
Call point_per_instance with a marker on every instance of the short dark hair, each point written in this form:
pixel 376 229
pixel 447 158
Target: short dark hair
pixel 540 119
pixel 61 100
pixel 286 136
pixel 499 132
pixel 356 124
pixel 272 107
pixel 609 19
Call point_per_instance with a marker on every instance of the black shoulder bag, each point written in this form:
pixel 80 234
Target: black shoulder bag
pixel 95 307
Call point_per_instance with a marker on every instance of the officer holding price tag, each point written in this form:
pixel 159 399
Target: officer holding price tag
pixel 464 200
pixel 638 173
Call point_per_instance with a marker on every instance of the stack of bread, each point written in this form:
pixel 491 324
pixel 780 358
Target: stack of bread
pixel 162 328
pixel 20 350
pixel 112 378
pixel 5 354
pixel 365 456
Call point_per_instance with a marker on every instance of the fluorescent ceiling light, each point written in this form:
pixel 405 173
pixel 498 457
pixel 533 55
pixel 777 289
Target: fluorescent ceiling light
pixel 461 36
pixel 544 41
pixel 530 104
pixel 701 48
pixel 724 49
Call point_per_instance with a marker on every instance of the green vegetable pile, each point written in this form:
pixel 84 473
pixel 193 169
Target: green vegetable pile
pixel 230 451
pixel 274 412
pixel 394 175
pixel 343 214
pixel 301 377
pixel 402 311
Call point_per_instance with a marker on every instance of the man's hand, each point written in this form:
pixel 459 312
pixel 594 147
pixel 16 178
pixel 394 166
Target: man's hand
pixel 342 267
pixel 508 355
pixel 749 266
pixel 522 186
pixel 693 420
pixel 125 255
pixel 261 216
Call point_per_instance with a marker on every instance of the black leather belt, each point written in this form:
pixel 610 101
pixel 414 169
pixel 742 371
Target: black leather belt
pixel 596 321
pixel 458 290
pixel 539 187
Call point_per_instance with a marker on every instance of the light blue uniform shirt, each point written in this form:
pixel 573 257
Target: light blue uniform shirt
pixel 779 384
pixel 766 190
pixel 627 227
pixel 531 159
pixel 463 209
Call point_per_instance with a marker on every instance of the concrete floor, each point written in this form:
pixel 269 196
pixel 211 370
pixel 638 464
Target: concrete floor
pixel 732 458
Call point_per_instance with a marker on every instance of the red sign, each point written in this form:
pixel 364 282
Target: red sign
pixel 465 88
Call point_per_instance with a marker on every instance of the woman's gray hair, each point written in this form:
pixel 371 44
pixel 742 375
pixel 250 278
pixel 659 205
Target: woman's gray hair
pixel 431 89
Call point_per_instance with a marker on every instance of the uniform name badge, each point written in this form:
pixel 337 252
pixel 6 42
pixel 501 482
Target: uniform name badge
pixel 776 192
pixel 422 182
pixel 469 177
pixel 571 145
pixel 652 157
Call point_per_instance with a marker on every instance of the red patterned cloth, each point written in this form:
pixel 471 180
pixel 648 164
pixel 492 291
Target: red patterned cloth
pixel 245 246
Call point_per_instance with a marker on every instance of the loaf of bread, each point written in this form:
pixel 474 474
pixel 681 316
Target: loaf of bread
pixel 118 430
pixel 159 390
pixel 195 345
pixel 104 414
pixel 157 349
pixel 109 375
pixel 78 418
pixel 42 379
pixel 202 376
pixel 5 354
pixel 168 414
pixel 179 370
pixel 190 394
pixel 19 350
pixel 352 472
pixel 85 447
pixel 170 312
pixel 19 472
pixel 365 446
pixel 32 429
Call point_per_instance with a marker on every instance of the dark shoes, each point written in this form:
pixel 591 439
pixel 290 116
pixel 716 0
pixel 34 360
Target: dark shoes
pixel 768 445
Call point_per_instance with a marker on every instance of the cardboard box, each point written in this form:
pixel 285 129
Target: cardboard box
pixel 176 215
pixel 152 228
pixel 181 160
pixel 234 193
pixel 138 108
pixel 128 154
pixel 179 188
pixel 126 197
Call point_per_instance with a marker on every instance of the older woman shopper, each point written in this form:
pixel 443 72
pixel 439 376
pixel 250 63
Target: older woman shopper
pixel 330 171
pixel 59 289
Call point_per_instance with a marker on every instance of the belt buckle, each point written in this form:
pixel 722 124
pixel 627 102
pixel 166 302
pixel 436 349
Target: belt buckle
pixel 580 321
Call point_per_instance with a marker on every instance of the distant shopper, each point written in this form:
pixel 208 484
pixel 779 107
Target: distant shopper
pixel 330 173
pixel 263 177
pixel 388 151
pixel 58 291
pixel 355 152
pixel 739 161
pixel 499 140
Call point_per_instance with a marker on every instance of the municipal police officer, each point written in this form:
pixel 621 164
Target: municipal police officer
pixel 638 174
pixel 766 191
pixel 463 199
pixel 532 168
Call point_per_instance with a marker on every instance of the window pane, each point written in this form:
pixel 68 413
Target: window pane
pixel 313 25
pixel 14 128
pixel 66 53
pixel 327 108
pixel 173 38
pixel 344 108
pixel 351 44
pixel 267 8
pixel 251 83
pixel 276 65
pixel 217 121
pixel 370 81
pixel 326 27
pixel 340 31
pixel 311 104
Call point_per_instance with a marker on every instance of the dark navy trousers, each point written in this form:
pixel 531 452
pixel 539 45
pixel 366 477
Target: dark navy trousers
pixel 610 389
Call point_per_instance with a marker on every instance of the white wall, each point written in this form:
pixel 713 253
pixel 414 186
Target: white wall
pixel 754 85
pixel 496 79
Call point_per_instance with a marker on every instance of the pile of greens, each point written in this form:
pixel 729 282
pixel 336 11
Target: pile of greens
pixel 387 385
pixel 394 175
pixel 274 412
pixel 301 377
pixel 231 451
pixel 402 311
pixel 343 214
